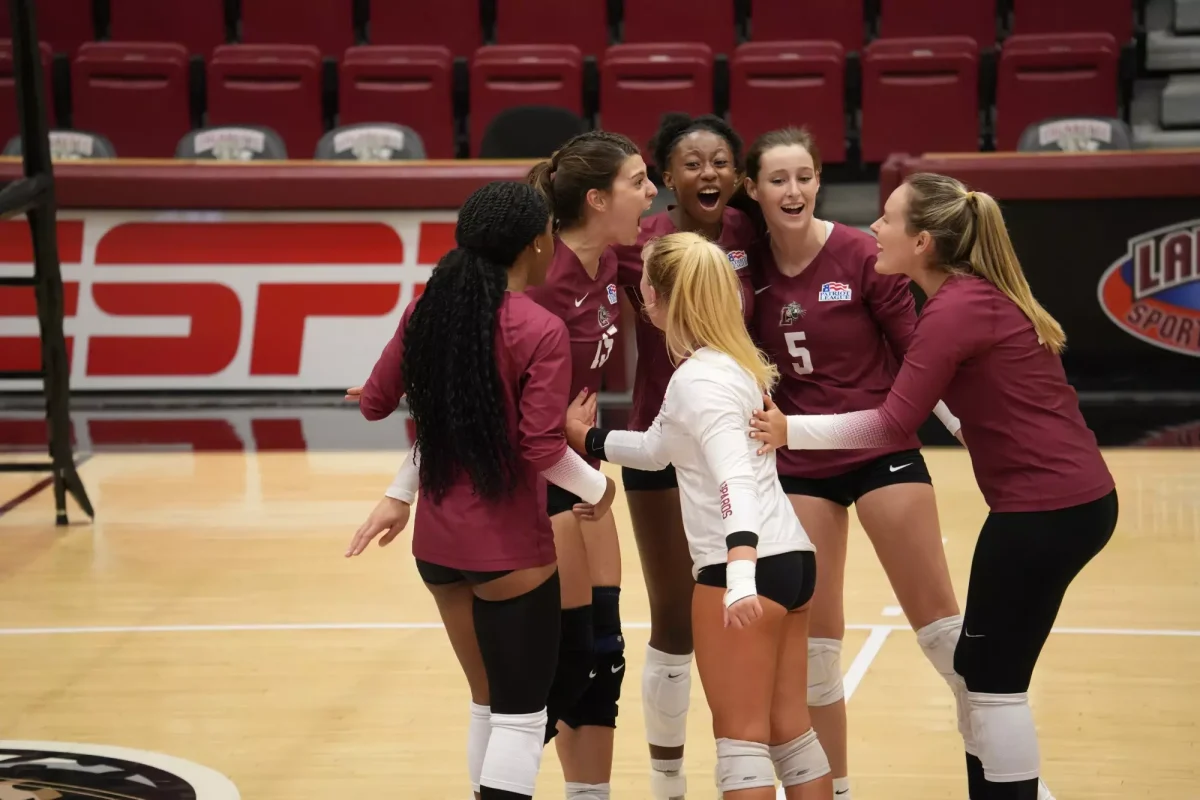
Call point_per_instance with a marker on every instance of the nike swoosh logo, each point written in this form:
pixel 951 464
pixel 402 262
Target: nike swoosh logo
pixel 843 791
pixel 902 466
pixel 672 676
pixel 592 674
pixel 763 289
pixel 579 302
pixel 617 668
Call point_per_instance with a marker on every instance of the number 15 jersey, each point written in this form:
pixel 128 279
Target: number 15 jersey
pixel 837 332
pixel 589 307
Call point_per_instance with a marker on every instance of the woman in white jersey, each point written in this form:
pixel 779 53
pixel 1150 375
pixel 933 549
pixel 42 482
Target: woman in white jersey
pixel 753 562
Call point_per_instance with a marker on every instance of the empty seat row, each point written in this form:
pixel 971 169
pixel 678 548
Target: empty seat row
pixel 330 25
pixel 919 95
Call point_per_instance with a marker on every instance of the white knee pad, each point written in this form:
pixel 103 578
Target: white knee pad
pixel 938 640
pixel 743 765
pixel 479 729
pixel 514 752
pixel 824 672
pixel 666 692
pixel 587 791
pixel 1006 736
pixel 801 760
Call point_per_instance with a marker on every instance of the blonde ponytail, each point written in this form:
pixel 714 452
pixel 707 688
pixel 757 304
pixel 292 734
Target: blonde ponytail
pixel 969 235
pixel 993 258
pixel 703 296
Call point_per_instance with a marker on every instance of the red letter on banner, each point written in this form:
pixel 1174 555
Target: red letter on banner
pixel 283 308
pixel 21 353
pixel 208 348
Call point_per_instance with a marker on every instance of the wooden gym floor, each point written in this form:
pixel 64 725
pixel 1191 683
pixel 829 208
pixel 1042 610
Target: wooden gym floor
pixel 208 613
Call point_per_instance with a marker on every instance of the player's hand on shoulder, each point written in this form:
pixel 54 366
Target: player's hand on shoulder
pixel 769 426
pixel 389 517
pixel 743 613
pixel 591 513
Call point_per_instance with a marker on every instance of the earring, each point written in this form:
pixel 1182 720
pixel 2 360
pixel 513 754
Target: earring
pixel 537 249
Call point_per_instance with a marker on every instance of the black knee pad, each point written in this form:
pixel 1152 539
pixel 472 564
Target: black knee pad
pixel 598 705
pixel 519 641
pixel 576 661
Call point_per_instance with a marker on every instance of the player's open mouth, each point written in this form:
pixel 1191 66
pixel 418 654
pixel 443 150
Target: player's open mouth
pixel 709 198
pixel 794 210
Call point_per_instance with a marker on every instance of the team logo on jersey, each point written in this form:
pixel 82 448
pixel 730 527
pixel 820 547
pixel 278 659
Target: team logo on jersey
pixel 46 770
pixel 834 291
pixel 738 259
pixel 604 318
pixel 612 294
pixel 1153 291
pixel 791 313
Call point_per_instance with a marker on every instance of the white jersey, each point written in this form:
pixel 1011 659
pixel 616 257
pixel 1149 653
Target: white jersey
pixel 703 428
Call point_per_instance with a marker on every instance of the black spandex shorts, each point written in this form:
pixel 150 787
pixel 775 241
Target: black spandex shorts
pixel 559 500
pixel 907 466
pixel 437 575
pixel 788 578
pixel 639 480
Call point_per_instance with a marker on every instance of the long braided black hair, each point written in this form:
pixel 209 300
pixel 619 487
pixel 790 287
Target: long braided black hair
pixel 451 378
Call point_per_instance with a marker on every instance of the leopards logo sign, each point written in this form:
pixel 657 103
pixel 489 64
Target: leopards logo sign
pixel 1153 291
pixel 64 771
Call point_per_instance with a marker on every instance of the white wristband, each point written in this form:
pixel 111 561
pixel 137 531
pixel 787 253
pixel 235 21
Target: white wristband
pixel 739 581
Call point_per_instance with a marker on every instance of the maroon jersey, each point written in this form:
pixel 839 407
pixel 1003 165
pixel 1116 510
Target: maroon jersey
pixel 654 367
pixel 589 307
pixel 465 531
pixel 974 348
pixel 837 332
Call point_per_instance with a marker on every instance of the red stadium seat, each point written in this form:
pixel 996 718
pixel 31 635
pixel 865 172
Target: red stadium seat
pixel 410 86
pixel 451 23
pixel 803 20
pixel 1074 16
pixel 327 25
pixel 199 25
pixel 777 84
pixel 639 82
pixel 582 23
pixel 278 86
pixel 135 94
pixel 1054 75
pixel 920 96
pixel 504 76
pixel 10 122
pixel 711 22
pixel 902 19
pixel 63 24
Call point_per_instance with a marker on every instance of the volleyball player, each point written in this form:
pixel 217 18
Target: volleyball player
pixel 989 347
pixel 486 373
pixel 753 563
pixel 598 189
pixel 700 160
pixel 837 330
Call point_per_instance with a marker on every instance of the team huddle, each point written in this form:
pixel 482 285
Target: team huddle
pixel 782 375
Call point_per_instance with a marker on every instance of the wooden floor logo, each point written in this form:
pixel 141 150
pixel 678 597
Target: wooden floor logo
pixel 67 771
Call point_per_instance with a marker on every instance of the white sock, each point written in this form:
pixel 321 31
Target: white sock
pixel 479 729
pixel 841 788
pixel 587 791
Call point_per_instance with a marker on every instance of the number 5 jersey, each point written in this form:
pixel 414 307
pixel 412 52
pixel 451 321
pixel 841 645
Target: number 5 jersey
pixel 837 332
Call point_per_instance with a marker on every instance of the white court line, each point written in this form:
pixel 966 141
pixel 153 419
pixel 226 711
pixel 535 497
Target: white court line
pixel 405 626
pixel 862 661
